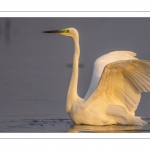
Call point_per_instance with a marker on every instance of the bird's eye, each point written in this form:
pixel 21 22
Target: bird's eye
pixel 67 31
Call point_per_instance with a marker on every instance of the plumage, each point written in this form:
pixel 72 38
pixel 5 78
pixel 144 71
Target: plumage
pixel 120 86
pixel 115 90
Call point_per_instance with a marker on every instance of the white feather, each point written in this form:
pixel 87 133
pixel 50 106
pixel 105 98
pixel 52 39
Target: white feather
pixel 115 90
pixel 100 64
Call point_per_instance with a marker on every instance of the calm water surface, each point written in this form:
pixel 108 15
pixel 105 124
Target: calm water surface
pixel 39 116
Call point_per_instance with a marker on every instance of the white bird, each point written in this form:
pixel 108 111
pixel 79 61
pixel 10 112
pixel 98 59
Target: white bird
pixel 115 89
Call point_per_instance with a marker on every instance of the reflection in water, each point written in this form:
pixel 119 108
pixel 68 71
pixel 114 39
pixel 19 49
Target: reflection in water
pixel 63 125
pixel 108 128
pixel 1 29
pixel 7 30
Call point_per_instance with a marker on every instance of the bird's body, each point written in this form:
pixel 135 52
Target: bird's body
pixel 115 90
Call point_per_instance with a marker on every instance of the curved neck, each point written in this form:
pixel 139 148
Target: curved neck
pixel 72 91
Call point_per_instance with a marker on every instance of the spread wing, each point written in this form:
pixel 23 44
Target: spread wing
pixel 121 84
pixel 100 64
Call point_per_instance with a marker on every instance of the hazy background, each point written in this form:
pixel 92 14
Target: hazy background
pixel 35 67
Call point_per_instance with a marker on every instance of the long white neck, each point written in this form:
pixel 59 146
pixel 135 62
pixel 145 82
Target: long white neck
pixel 72 91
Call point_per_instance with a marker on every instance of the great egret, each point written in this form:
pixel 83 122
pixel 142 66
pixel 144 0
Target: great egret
pixel 115 89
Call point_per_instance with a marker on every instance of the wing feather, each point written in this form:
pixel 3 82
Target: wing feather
pixel 122 83
pixel 100 64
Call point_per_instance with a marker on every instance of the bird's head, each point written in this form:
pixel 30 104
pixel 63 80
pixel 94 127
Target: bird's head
pixel 72 32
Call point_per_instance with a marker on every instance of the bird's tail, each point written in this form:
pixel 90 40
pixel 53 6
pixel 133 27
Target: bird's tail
pixel 134 120
pixel 121 116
